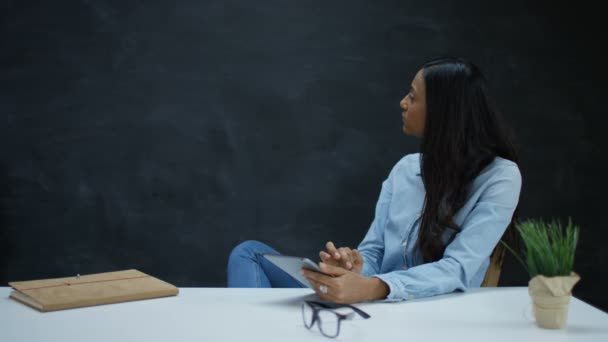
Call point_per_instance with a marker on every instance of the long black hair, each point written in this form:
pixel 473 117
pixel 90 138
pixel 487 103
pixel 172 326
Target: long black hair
pixel 463 134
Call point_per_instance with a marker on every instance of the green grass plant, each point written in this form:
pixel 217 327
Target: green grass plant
pixel 548 247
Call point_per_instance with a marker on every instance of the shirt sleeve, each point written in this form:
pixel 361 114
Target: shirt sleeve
pixel 372 246
pixel 481 230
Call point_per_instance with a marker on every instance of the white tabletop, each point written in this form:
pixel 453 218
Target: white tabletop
pixel 220 314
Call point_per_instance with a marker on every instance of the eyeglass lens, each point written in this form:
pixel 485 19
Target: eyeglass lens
pixel 327 320
pixel 307 315
pixel 328 323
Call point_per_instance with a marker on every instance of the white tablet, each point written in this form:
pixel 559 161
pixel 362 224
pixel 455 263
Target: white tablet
pixel 292 266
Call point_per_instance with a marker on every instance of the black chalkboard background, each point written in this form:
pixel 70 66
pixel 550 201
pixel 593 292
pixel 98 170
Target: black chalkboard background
pixel 157 135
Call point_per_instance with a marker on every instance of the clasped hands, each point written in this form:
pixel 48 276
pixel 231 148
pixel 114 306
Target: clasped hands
pixel 342 281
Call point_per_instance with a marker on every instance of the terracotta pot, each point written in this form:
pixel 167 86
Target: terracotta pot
pixel 550 297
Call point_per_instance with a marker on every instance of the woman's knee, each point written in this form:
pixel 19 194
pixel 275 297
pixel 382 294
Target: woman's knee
pixel 248 249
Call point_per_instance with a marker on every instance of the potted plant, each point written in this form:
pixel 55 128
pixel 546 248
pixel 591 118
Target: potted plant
pixel 548 257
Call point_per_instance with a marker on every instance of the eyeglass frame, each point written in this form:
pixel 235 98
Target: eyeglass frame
pixel 318 306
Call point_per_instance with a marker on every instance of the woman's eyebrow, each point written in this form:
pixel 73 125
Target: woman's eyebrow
pixel 412 89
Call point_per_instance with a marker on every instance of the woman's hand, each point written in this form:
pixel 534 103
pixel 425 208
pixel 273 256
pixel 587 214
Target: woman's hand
pixel 342 286
pixel 344 257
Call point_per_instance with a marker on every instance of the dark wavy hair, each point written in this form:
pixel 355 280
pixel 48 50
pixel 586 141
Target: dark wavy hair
pixel 463 134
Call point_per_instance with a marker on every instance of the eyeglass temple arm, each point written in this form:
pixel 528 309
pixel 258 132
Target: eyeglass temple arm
pixel 359 311
pixel 336 305
pixel 350 316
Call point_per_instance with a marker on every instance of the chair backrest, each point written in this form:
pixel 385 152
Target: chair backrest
pixel 493 272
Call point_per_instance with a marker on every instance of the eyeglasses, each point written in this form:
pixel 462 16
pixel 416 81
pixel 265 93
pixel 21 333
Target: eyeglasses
pixel 327 320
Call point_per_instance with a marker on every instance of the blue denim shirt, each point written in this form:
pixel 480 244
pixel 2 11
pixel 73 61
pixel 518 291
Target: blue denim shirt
pixel 388 249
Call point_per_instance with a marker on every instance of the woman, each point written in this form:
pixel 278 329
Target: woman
pixel 440 213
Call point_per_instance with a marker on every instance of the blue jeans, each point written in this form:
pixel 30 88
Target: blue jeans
pixel 247 267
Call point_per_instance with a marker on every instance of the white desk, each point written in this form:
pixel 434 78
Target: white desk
pixel 219 314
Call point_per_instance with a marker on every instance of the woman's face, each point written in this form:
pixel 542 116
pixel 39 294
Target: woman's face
pixel 414 107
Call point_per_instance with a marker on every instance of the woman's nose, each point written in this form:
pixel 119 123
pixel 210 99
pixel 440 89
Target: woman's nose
pixel 403 104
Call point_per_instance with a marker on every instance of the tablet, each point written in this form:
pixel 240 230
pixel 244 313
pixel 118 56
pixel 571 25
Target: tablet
pixel 292 266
